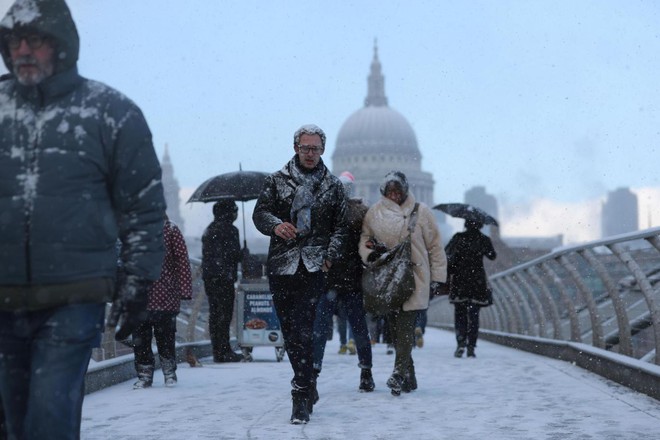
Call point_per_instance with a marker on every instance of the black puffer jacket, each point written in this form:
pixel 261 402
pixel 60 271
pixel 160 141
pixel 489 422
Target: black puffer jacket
pixel 347 272
pixel 466 252
pixel 328 220
pixel 77 171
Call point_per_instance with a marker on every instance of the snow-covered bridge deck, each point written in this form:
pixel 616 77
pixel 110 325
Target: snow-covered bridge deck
pixel 502 394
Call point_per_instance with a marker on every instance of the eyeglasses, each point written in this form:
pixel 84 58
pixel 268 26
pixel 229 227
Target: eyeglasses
pixel 34 41
pixel 313 148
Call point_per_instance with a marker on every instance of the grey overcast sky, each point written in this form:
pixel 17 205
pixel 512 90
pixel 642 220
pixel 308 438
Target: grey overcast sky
pixel 548 104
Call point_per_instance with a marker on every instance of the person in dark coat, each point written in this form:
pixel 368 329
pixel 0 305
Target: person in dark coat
pixel 221 253
pixel 77 171
pixel 468 286
pixel 165 295
pixel 345 286
pixel 302 208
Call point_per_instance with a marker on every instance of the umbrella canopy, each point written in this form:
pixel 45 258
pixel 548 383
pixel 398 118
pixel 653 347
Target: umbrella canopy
pixel 238 185
pixel 468 212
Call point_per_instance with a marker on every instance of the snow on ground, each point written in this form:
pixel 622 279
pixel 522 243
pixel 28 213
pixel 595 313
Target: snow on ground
pixel 503 394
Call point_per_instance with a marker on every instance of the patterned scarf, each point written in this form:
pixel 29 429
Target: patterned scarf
pixel 309 182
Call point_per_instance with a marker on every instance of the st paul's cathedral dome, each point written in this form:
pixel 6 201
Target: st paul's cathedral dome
pixel 377 139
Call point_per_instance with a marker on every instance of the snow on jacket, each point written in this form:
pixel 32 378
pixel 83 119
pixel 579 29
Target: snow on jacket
pixel 221 249
pixel 175 282
pixel 328 221
pixel 77 171
pixel 466 251
pixel 387 222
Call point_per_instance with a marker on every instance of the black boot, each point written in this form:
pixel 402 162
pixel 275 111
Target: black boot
pixel 470 352
pixel 145 376
pixel 459 351
pixel 169 371
pixel 367 384
pixel 409 380
pixel 313 392
pixel 227 356
pixel 300 413
pixel 394 384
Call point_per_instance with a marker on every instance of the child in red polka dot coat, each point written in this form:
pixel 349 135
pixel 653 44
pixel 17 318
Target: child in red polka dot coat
pixel 165 295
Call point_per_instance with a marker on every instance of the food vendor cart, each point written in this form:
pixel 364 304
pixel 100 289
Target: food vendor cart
pixel 256 321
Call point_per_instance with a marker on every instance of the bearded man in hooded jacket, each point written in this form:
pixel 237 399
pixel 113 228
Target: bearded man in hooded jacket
pixel 302 208
pixel 77 171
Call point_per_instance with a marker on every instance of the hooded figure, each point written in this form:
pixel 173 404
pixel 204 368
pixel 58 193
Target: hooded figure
pixel 221 253
pixel 469 286
pixel 77 171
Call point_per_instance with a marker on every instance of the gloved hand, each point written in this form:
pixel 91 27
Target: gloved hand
pixel 129 307
pixel 378 250
pixel 439 289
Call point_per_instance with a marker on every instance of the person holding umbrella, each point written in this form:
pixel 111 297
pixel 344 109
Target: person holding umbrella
pixel 221 253
pixel 302 208
pixel 468 287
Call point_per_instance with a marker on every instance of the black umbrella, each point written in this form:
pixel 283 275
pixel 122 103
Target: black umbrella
pixel 238 186
pixel 468 212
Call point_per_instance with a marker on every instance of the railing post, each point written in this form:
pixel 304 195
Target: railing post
pixel 547 296
pixel 625 342
pixel 645 287
pixel 505 296
pixel 538 307
pixel 566 299
pixel 525 315
pixel 588 298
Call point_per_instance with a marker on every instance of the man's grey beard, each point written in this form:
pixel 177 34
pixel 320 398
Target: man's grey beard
pixel 31 79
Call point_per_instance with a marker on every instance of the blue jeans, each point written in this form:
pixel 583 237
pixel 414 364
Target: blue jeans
pixel 43 362
pixel 354 306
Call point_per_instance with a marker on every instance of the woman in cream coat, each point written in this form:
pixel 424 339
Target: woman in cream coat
pixel 385 226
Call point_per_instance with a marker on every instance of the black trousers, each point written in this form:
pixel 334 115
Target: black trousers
pixel 221 293
pixel 162 326
pixel 295 298
pixel 402 325
pixel 466 323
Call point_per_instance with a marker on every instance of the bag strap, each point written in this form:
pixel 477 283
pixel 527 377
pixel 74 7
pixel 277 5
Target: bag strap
pixel 413 219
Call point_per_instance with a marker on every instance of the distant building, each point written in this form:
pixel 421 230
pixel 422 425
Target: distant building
pixel 477 196
pixel 620 213
pixel 171 190
pixel 377 139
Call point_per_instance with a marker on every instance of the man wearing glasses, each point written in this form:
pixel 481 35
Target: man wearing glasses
pixel 302 208
pixel 77 171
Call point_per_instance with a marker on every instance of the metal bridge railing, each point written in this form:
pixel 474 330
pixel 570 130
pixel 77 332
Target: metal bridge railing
pixel 604 293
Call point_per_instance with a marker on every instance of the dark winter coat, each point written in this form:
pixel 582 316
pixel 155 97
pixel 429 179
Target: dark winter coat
pixel 175 282
pixel 346 274
pixel 465 252
pixel 77 171
pixel 221 249
pixel 328 221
